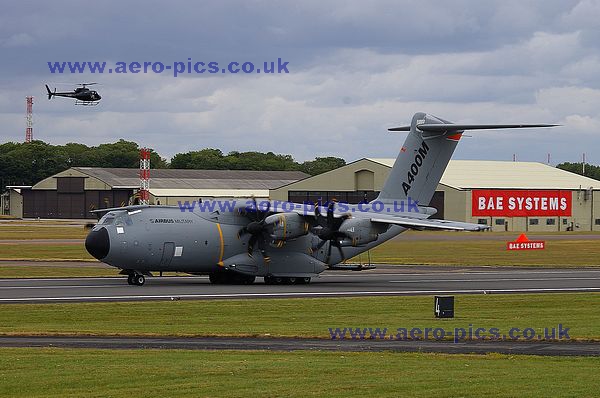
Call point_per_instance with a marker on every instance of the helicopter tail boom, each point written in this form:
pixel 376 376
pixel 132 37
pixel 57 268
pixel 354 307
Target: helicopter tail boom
pixel 50 93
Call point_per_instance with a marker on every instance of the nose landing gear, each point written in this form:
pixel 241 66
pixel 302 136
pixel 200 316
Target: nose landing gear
pixel 136 279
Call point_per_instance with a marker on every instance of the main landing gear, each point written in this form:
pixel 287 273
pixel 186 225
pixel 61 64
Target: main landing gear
pixel 230 278
pixel 136 279
pixel 277 280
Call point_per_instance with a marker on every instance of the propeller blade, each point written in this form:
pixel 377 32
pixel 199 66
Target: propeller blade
pixel 255 209
pixel 266 212
pixel 337 244
pixel 262 246
pixel 320 245
pixel 328 253
pixel 251 243
pixel 330 214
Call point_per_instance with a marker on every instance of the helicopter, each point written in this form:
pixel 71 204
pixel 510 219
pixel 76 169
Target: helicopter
pixel 82 95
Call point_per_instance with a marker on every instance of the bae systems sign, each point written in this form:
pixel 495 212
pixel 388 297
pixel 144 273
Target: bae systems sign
pixel 503 203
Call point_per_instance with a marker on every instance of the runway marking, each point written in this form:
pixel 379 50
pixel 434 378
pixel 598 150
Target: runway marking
pixel 349 274
pixel 392 281
pixel 99 278
pixel 302 294
pixel 58 287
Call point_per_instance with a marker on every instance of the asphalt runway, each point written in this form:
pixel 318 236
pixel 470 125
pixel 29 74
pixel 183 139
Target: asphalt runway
pixel 293 344
pixel 386 280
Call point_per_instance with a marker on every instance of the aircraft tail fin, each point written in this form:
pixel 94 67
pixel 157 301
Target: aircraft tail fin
pixel 425 154
pixel 50 93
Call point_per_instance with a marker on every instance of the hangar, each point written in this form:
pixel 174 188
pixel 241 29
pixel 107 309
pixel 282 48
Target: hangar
pixel 508 196
pixel 75 191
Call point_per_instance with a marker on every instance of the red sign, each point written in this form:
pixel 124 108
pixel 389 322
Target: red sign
pixel 523 243
pixel 505 203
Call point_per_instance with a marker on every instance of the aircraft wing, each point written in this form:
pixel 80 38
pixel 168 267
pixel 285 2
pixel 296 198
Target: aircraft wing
pixel 406 222
pixel 415 223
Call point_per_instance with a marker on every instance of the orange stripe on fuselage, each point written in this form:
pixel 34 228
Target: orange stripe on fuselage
pixel 221 244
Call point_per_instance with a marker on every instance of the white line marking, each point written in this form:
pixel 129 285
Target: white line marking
pixel 449 272
pixel 122 278
pixel 302 294
pixel 58 287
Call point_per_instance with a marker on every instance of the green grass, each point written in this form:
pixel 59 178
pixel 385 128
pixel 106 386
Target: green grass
pixel 558 253
pixel 27 271
pixel 51 231
pixel 29 372
pixel 302 317
pixel 27 251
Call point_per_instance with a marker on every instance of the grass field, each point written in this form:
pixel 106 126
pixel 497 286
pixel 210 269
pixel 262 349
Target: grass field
pixel 302 317
pixel 17 271
pixel 433 249
pixel 42 231
pixel 44 251
pixel 558 253
pixel 155 373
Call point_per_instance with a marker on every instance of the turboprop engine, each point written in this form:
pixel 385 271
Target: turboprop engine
pixel 360 231
pixel 285 226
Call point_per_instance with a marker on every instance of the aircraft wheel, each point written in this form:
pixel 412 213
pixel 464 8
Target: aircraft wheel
pixel 292 280
pixel 216 278
pixel 278 280
pixel 248 279
pixel 130 279
pixel 269 280
pixel 305 281
pixel 139 280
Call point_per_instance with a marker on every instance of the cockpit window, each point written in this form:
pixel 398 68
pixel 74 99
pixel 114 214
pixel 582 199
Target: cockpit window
pixel 123 219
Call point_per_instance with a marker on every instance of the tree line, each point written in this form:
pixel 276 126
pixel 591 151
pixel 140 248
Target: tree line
pixel 29 163
pixel 591 170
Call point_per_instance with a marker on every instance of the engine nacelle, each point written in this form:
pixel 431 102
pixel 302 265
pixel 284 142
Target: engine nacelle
pixel 360 231
pixel 287 226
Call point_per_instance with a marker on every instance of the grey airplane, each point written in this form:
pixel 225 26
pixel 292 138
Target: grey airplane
pixel 283 242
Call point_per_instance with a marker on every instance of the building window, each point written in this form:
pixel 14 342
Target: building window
pixel 499 221
pixel 597 221
pixel 565 221
pixel 534 221
pixel 550 221
pixel 482 221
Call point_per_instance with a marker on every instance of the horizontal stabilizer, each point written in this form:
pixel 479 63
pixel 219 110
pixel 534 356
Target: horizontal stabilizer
pixel 443 127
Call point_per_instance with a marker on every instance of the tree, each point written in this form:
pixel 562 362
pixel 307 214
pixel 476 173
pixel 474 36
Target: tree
pixel 29 163
pixel 591 170
pixel 321 165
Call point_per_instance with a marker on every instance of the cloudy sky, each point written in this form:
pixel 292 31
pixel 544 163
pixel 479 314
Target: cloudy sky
pixel 355 69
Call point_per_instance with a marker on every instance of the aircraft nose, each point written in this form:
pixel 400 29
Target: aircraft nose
pixel 97 243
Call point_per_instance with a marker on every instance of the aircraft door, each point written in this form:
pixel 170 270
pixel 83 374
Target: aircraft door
pixel 167 255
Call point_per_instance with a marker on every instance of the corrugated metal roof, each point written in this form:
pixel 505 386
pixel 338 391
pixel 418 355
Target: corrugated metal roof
pixel 196 179
pixel 213 193
pixel 482 174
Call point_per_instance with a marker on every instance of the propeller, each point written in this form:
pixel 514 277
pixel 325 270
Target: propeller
pixel 327 230
pixel 258 230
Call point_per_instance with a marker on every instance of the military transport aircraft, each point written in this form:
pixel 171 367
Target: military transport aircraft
pixel 283 242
